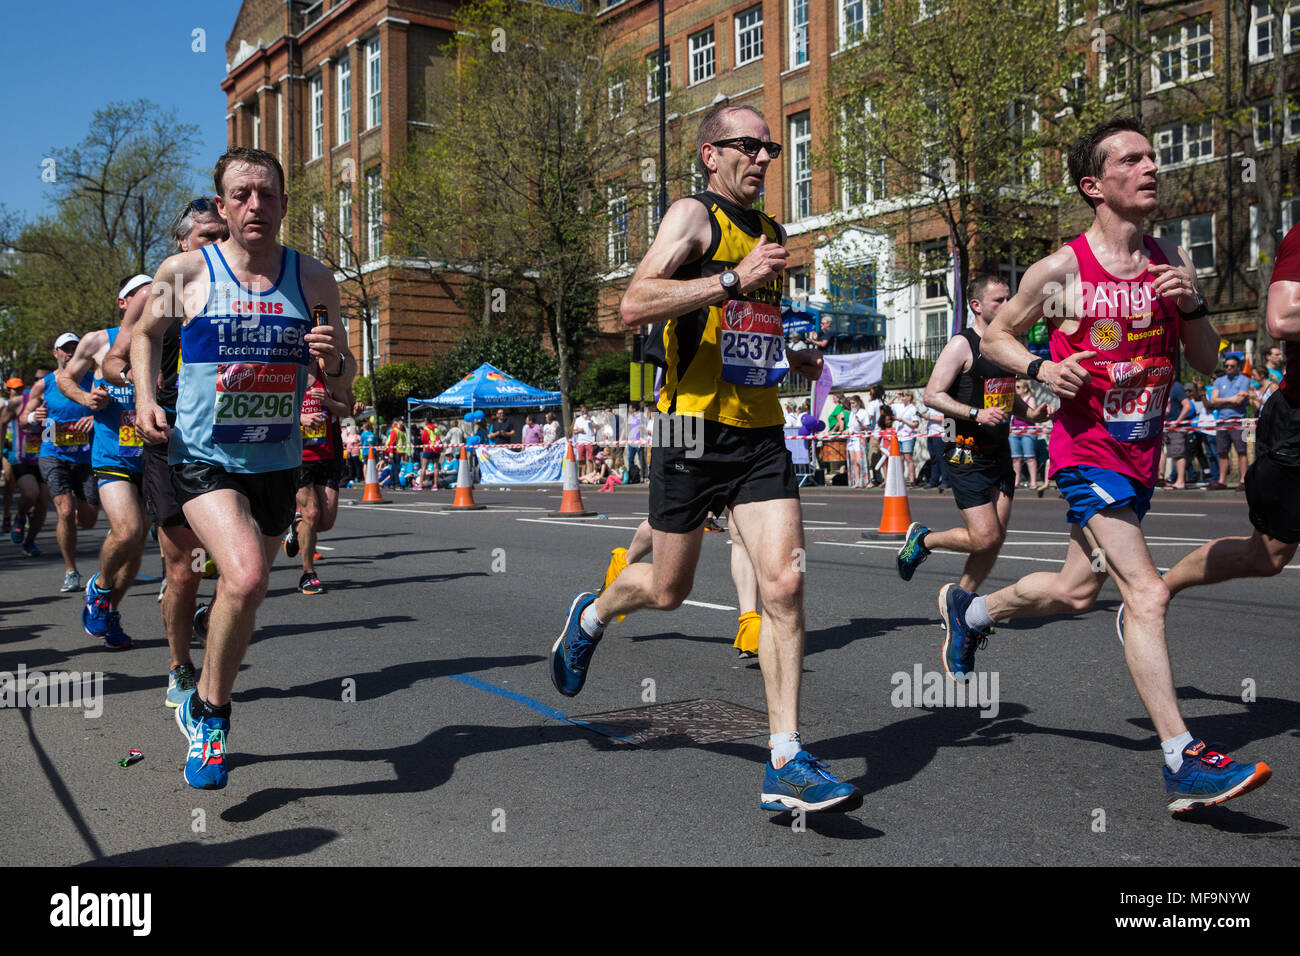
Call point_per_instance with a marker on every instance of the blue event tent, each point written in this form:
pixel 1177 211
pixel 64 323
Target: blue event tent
pixel 487 385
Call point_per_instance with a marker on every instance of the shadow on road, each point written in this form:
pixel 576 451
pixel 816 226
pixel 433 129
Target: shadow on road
pixel 265 846
pixel 374 684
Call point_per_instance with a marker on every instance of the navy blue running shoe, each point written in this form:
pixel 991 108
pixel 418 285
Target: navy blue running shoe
pixel 19 529
pixel 94 616
pixel 911 554
pixel 201 622
pixel 205 764
pixel 571 653
pixel 960 641
pixel 116 639
pixel 805 783
pixel 1208 777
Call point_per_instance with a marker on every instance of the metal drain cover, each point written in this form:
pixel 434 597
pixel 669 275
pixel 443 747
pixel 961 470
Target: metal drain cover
pixel 679 723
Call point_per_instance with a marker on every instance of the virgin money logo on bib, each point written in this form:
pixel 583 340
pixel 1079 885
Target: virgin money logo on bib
pixel 238 378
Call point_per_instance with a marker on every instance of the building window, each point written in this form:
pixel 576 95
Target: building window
pixel 1290 216
pixel 703 64
pixel 1182 53
pixel 1264 32
pixel 370 341
pixel 798 32
pixel 1196 235
pixel 617 231
pixel 617 98
pixel 858 18
pixel 800 285
pixel 317 100
pixel 1114 74
pixel 1184 142
pixel 854 287
pixel 652 217
pixel 749 35
pixel 256 117
pixel 374 213
pixel 801 165
pixel 345 226
pixel 1262 114
pixel 317 229
pixel 856 192
pixel 652 75
pixel 1022 120
pixel 374 87
pixel 345 99
pixel 932 8
pixel 1071 12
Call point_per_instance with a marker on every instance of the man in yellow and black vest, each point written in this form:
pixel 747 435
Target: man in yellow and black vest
pixel 711 286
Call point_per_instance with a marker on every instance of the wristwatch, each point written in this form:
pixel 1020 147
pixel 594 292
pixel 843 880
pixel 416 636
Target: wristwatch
pixel 973 414
pixel 1201 310
pixel 730 283
pixel 1034 366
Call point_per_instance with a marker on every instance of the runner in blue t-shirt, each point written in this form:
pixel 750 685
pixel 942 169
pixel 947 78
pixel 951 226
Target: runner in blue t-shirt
pixel 1229 397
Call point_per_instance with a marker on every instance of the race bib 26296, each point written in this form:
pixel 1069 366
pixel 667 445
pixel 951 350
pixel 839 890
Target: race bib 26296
pixel 255 403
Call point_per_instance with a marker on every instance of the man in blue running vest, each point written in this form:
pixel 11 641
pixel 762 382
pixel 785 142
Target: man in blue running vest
pixel 115 461
pixel 247 337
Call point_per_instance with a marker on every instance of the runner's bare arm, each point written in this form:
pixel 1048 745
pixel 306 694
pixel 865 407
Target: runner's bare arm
pixel 653 294
pixel 953 360
pixel 116 365
pixel 89 353
pixel 1178 285
pixel 28 414
pixel 1043 282
pixel 328 345
pixel 1283 319
pixel 337 408
pixel 161 309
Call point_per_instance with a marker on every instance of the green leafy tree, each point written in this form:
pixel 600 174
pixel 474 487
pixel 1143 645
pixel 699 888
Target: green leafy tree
pixel 960 117
pixel 115 196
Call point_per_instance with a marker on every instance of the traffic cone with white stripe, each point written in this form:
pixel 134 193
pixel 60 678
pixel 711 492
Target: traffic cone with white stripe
pixel 464 500
pixel 372 496
pixel 571 505
pixel 896 516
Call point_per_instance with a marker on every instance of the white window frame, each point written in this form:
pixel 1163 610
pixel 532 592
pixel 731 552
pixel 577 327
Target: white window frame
pixel 800 165
pixel 1063 21
pixel 652 74
pixel 618 218
pixel 317 227
pixel 799 31
pixel 374 213
pixel 1256 126
pixel 1185 141
pixel 1176 41
pixel 1034 169
pixel 255 116
pixel 703 55
pixel 374 83
pixel 931 8
pixel 1180 231
pixel 749 35
pixel 1290 209
pixel 1123 65
pixel 343 86
pixel 345 225
pixel 618 97
pixel 652 216
pixel 316 97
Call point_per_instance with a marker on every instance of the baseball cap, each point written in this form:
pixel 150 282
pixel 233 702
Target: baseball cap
pixel 134 283
pixel 66 339
pixel 14 382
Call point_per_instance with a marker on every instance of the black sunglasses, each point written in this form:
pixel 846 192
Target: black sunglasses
pixel 202 204
pixel 750 145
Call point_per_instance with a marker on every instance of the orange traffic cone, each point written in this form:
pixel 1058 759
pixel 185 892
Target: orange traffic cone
pixel 571 505
pixel 896 516
pixel 464 500
pixel 372 495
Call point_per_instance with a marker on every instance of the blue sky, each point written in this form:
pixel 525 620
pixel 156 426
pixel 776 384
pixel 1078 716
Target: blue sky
pixel 64 60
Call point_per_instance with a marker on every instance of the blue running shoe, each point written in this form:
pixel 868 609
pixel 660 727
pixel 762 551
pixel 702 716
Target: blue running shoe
pixel 31 549
pixel 571 653
pixel 116 639
pixel 1208 777
pixel 960 641
pixel 205 765
pixel 911 554
pixel 94 616
pixel 180 681
pixel 804 783
pixel 19 529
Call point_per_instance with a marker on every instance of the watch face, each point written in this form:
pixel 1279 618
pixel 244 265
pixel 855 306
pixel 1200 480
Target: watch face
pixel 730 279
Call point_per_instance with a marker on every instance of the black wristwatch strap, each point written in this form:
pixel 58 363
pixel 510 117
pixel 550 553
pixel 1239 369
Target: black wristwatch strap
pixel 1034 366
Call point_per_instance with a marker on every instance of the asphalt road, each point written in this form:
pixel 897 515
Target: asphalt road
pixel 456 749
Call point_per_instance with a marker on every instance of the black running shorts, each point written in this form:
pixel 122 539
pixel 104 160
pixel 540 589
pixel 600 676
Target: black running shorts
pixel 65 478
pixel 323 473
pixel 1273 482
pixel 973 485
pixel 160 502
pixel 705 466
pixel 271 495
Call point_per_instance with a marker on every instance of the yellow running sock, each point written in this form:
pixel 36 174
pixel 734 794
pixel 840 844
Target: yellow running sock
pixel 617 562
pixel 747 634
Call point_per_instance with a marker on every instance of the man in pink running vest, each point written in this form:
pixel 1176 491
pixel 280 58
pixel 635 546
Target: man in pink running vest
pixel 1117 302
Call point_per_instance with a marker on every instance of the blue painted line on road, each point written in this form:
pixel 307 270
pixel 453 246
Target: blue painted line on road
pixel 538 706
pixel 146 577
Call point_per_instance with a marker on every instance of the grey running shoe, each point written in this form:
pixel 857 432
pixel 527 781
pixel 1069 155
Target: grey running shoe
pixel 180 681
pixel 71 582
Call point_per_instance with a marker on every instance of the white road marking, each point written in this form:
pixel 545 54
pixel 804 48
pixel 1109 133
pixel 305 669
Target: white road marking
pixel 584 523
pixel 714 607
pixel 1174 514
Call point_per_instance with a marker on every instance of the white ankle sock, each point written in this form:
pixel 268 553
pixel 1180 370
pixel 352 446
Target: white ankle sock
pixel 591 625
pixel 785 747
pixel 1173 748
pixel 977 615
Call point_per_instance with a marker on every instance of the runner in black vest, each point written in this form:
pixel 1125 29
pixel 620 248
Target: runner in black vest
pixel 978 399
